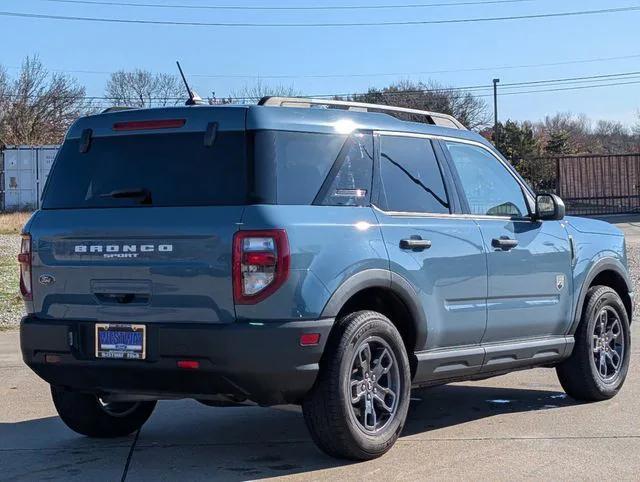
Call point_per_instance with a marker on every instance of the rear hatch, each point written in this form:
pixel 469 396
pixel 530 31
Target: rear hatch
pixel 138 217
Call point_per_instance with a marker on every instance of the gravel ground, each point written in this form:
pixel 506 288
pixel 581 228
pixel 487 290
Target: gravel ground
pixel 633 252
pixel 11 309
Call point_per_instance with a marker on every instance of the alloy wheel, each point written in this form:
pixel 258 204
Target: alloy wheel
pixel 374 385
pixel 608 344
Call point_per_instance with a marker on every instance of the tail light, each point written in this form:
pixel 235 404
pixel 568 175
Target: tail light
pixel 24 258
pixel 260 264
pixel 149 125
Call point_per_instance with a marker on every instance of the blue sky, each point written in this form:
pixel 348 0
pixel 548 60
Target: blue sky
pixel 68 45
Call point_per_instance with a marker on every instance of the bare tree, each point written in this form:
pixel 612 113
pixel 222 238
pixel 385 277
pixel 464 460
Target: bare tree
pixel 141 88
pixel 577 134
pixel 470 110
pixel 636 127
pixel 252 93
pixel 38 107
pixel 5 94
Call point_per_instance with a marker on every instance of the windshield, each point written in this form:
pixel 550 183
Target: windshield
pixel 149 170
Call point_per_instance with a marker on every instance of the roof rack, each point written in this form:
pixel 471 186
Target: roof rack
pixel 117 109
pixel 436 118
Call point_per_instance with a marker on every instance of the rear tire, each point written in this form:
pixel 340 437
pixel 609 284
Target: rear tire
pixel 599 363
pixel 358 406
pixel 87 415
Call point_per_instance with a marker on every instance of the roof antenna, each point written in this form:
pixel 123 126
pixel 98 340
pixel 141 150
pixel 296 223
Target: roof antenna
pixel 194 98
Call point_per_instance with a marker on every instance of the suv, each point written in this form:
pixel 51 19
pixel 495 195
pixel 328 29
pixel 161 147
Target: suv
pixel 322 253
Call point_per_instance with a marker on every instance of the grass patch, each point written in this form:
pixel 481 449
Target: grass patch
pixel 12 223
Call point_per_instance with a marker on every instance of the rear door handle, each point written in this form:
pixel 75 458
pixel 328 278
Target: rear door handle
pixel 504 243
pixel 415 243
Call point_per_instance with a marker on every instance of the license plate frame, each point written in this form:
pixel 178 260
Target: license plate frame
pixel 117 342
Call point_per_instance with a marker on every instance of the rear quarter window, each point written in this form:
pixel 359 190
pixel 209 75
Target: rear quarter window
pixel 300 161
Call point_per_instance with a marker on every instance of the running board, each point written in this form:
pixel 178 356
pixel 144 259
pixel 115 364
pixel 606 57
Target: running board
pixel 469 362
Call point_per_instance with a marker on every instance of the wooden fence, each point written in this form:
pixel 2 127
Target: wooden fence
pixel 597 184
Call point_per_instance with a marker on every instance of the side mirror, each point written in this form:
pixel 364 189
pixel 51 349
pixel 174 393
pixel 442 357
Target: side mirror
pixel 549 207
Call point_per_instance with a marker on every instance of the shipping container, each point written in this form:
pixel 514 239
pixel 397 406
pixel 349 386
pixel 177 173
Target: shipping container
pixel 25 172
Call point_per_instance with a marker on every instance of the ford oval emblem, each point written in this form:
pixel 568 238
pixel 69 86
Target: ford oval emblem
pixel 46 279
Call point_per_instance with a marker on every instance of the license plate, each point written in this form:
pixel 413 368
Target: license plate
pixel 121 341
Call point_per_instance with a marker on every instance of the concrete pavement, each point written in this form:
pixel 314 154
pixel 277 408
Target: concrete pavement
pixel 514 427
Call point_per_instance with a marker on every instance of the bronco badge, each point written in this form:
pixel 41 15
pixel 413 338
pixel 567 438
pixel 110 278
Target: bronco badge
pixel 560 282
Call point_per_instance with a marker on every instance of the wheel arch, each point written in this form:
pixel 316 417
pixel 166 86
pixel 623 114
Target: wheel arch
pixel 387 292
pixel 607 272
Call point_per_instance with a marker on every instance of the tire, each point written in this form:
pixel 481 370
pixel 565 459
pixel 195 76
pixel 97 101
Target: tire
pixel 582 375
pixel 87 415
pixel 339 429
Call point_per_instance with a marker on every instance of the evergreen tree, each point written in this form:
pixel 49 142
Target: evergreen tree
pixel 517 142
pixel 559 143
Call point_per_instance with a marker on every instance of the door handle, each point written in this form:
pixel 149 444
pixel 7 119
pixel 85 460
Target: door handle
pixel 504 243
pixel 415 243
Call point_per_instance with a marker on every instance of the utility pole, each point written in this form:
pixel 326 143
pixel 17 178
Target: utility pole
pixel 495 111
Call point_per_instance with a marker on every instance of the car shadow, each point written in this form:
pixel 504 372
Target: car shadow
pixel 189 441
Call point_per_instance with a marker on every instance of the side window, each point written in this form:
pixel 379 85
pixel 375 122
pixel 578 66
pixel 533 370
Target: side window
pixel 349 182
pixel 490 188
pixel 411 179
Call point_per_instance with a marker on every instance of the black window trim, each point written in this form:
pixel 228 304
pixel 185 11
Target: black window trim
pixel 445 172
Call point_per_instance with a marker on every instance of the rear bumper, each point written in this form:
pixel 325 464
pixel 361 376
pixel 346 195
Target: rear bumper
pixel 263 362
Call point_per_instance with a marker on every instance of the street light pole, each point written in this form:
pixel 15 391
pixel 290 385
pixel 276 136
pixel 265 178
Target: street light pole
pixel 495 111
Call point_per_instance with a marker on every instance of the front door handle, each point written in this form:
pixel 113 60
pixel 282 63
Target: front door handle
pixel 415 243
pixel 504 243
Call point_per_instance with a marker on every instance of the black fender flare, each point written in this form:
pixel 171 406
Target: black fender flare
pixel 381 278
pixel 600 266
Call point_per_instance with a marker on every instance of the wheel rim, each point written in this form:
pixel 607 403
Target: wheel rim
pixel 118 409
pixel 374 385
pixel 608 344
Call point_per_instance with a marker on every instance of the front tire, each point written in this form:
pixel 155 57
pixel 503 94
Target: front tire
pixel 358 407
pixel 87 415
pixel 599 363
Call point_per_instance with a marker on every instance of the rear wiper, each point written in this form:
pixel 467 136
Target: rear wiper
pixel 142 193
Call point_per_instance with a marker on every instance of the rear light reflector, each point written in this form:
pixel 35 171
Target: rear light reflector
pixel 24 259
pixel 310 339
pixel 189 364
pixel 149 125
pixel 53 359
pixel 260 264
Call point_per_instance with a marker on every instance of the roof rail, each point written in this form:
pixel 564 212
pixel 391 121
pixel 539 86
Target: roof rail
pixel 436 118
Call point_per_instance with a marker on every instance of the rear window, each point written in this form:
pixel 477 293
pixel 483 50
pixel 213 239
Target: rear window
pixel 150 170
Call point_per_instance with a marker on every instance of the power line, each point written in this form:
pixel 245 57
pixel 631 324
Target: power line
pixel 289 8
pixel 431 72
pixel 512 85
pixel 323 24
pixel 374 74
pixel 570 79
pixel 622 78
pixel 562 89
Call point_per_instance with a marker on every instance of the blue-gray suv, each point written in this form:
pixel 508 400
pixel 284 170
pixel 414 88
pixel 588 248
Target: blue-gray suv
pixel 322 253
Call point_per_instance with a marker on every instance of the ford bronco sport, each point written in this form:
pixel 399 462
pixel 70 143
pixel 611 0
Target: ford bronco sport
pixel 322 253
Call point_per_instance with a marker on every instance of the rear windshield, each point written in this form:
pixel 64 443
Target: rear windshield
pixel 149 170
